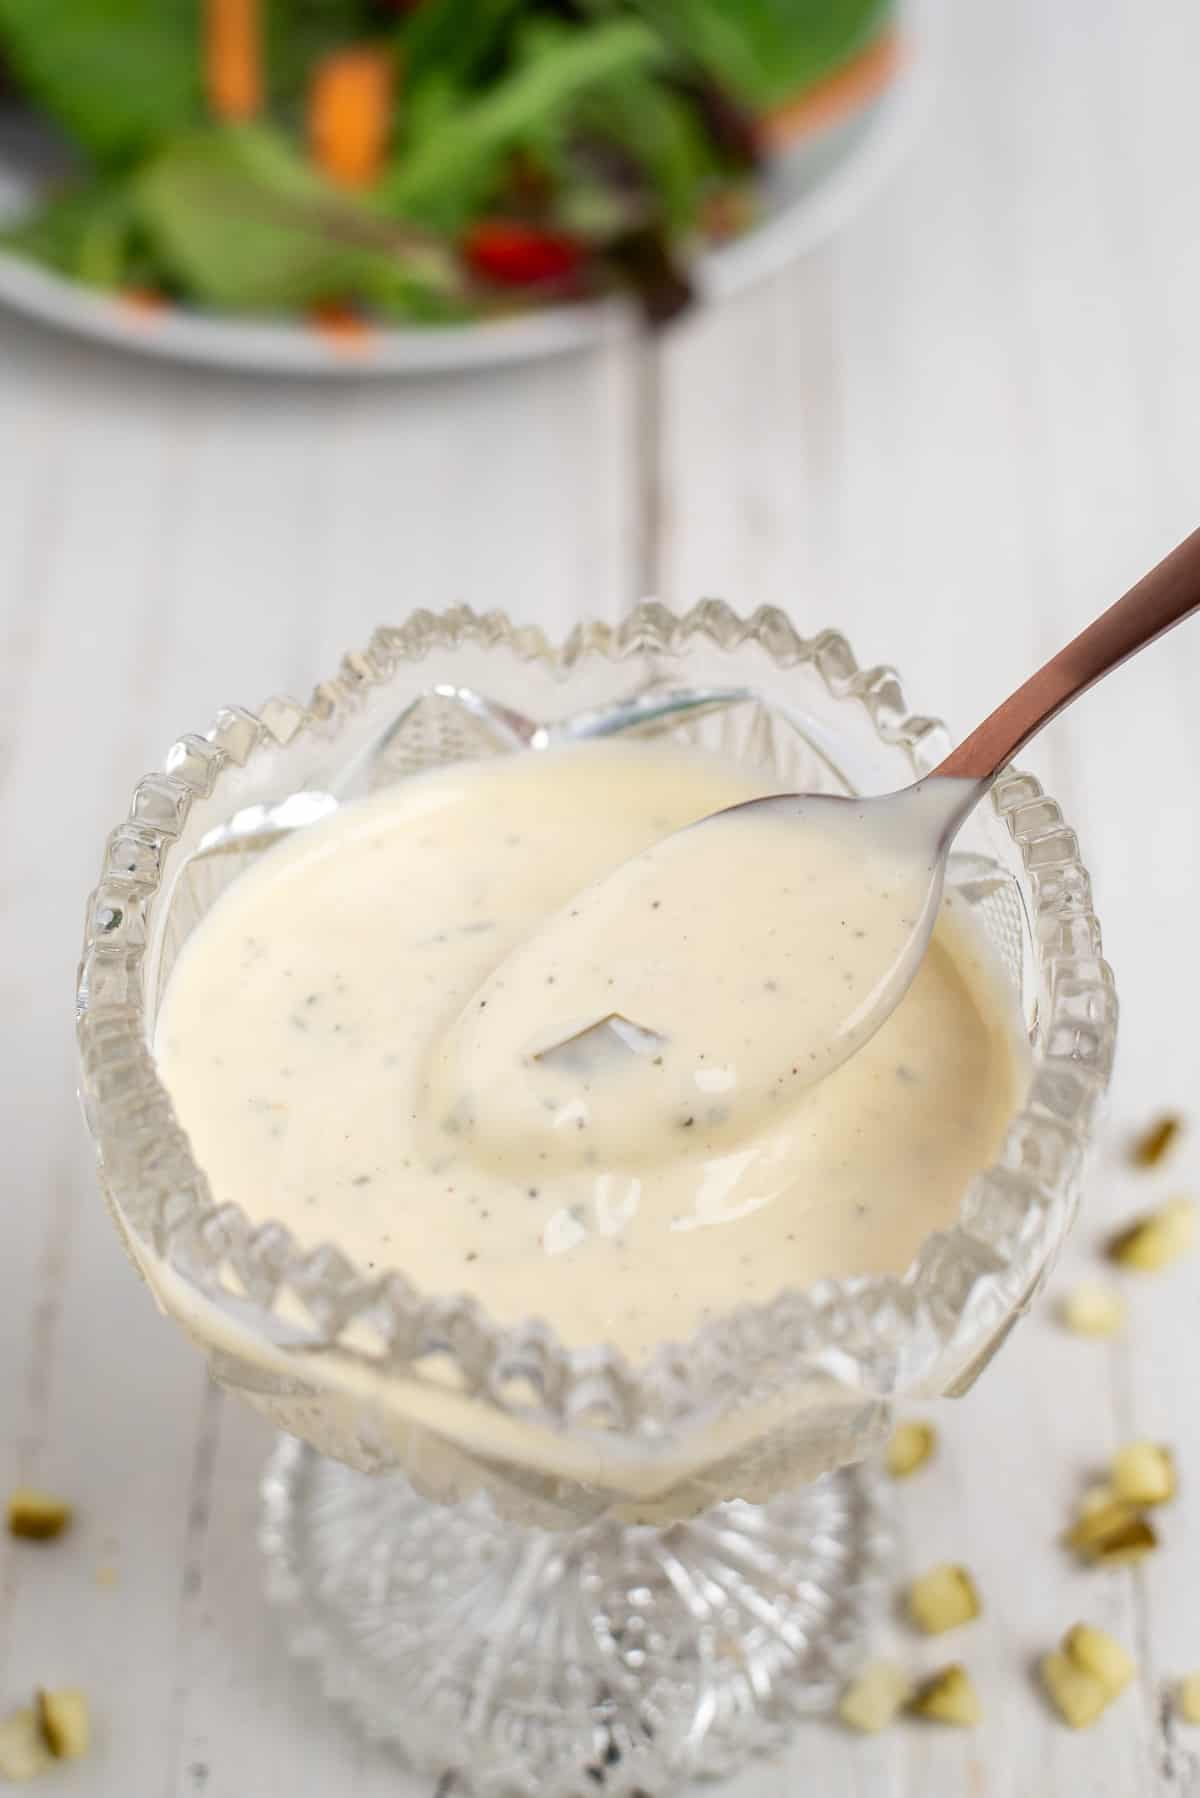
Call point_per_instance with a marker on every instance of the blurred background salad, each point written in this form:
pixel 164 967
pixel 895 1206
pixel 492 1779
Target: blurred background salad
pixel 416 161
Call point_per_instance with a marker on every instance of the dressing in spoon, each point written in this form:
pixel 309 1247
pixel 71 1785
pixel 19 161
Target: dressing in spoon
pixel 744 958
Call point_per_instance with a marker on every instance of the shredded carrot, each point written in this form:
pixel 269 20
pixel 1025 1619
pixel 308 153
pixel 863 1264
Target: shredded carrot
pixel 340 325
pixel 144 300
pixel 726 213
pixel 350 114
pixel 233 58
pixel 835 98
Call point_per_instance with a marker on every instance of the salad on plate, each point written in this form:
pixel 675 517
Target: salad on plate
pixel 417 161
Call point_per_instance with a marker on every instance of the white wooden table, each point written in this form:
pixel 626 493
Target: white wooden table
pixel 954 432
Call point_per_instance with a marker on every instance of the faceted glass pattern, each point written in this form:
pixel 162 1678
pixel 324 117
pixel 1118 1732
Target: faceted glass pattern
pixel 799 1387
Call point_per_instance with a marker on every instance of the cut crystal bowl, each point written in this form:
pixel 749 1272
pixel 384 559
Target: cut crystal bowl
pixel 543 1568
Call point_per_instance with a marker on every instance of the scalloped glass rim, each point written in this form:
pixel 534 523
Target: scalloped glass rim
pixel 929 1331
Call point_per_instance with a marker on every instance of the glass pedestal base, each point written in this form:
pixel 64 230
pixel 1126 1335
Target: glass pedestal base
pixel 616 1660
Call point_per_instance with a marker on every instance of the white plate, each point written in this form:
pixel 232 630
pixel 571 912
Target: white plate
pixel 809 192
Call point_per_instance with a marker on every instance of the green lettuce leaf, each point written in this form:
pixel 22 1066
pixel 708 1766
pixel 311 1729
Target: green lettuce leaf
pixel 119 76
pixel 241 221
pixel 454 41
pixel 663 139
pixel 88 233
pixel 767 51
pixel 442 176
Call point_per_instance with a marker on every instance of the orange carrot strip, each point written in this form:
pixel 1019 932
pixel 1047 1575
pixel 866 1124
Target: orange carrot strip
pixel 146 301
pixel 835 98
pixel 233 58
pixel 350 114
pixel 340 325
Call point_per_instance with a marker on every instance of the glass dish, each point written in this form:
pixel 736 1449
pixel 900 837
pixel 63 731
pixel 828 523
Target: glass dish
pixel 644 1571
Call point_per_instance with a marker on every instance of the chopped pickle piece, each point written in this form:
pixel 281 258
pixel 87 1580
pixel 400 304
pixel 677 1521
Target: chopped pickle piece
pixel 942 1599
pixel 1077 1695
pixel 23 1753
pixel 871 1701
pixel 37 1516
pixel 1187 1698
pixel 1156 1141
pixel 910 1447
pixel 1156 1239
pixel 1143 1473
pixel 1091 1309
pixel 1094 1651
pixel 65 1723
pixel 1113 1533
pixel 948 1697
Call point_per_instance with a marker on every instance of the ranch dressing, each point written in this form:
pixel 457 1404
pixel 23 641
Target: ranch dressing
pixel 303 1037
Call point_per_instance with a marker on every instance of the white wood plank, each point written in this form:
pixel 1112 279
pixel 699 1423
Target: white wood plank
pixel 103 1404
pixel 746 442
pixel 1140 737
pixel 250 1722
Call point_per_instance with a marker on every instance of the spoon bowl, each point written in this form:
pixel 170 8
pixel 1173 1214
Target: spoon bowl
pixel 662 1008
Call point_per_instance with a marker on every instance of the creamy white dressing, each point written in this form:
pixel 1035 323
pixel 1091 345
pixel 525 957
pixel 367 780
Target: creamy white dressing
pixel 311 1031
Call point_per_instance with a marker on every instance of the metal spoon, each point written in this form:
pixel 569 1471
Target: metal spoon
pixel 754 952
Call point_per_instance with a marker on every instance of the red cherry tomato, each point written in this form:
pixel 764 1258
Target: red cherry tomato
pixel 514 254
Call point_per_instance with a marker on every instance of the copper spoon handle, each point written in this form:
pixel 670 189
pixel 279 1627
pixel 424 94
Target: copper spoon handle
pixel 1162 598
